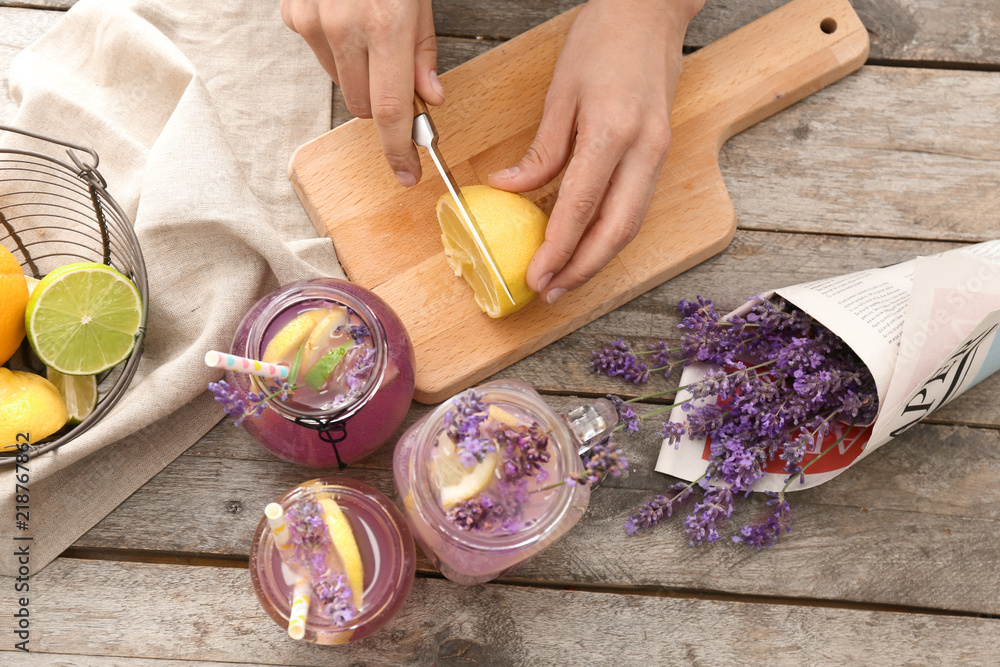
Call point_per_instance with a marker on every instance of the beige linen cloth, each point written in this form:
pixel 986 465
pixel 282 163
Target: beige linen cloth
pixel 195 109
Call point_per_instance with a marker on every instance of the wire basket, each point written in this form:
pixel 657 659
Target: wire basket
pixel 54 212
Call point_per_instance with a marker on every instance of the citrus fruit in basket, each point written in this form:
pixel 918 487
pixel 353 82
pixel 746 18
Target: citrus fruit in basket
pixel 13 297
pixel 513 228
pixel 82 319
pixel 31 409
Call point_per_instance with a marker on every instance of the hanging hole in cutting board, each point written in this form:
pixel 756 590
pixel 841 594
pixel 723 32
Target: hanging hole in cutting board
pixel 829 26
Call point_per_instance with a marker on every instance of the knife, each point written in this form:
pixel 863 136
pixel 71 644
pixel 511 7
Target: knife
pixel 426 135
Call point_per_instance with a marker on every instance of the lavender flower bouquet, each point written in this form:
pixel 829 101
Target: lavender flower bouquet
pixel 799 384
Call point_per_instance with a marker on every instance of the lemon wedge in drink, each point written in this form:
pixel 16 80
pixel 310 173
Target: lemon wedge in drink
pixel 455 481
pixel 78 391
pixel 342 536
pixel 82 319
pixel 513 228
pixel 31 409
pixel 282 348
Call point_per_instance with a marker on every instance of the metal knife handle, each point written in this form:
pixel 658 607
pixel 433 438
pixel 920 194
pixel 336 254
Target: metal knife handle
pixel 424 132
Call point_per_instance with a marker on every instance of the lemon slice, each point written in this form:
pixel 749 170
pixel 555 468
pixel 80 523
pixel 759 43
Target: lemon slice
pixel 513 228
pixel 457 483
pixel 318 342
pixel 82 319
pixel 282 348
pixel 342 536
pixel 31 409
pixel 78 391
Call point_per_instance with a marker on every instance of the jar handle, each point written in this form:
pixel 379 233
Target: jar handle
pixel 592 423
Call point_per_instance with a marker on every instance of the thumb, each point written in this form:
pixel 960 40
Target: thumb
pixel 545 157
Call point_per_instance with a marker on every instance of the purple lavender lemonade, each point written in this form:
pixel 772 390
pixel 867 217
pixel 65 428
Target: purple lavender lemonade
pixel 352 546
pixel 356 373
pixel 482 479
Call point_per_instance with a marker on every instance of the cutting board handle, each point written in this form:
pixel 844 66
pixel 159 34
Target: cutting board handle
pixel 798 49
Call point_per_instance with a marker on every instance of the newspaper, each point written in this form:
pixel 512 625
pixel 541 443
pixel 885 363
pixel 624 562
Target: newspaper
pixel 927 331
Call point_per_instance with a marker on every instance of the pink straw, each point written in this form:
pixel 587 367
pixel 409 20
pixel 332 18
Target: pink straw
pixel 231 362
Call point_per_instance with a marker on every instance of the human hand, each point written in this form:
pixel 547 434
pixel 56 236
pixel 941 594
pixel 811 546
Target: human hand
pixel 607 113
pixel 378 52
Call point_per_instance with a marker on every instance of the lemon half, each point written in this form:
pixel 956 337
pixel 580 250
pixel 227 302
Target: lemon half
pixel 513 228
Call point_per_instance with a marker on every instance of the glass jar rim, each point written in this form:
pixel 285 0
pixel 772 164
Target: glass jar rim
pixel 392 525
pixel 300 292
pixel 558 507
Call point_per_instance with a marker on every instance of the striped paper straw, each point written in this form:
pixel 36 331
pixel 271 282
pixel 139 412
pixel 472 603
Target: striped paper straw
pixel 300 609
pixel 276 520
pixel 231 362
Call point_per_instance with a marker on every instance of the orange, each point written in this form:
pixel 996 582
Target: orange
pixel 13 298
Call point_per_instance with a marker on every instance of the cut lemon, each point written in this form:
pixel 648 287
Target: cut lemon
pixel 455 481
pixel 31 409
pixel 282 348
pixel 513 228
pixel 318 342
pixel 342 536
pixel 78 391
pixel 82 319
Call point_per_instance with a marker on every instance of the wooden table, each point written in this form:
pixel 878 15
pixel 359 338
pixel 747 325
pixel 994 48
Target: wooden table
pixel 895 562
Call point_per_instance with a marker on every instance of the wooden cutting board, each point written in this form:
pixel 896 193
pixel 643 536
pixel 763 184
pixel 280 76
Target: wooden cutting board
pixel 387 238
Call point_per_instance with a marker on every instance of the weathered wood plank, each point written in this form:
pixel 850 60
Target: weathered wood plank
pixel 210 614
pixel 846 161
pixel 21 27
pixel 949 31
pixel 915 523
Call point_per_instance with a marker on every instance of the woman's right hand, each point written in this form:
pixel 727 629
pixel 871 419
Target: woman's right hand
pixel 378 52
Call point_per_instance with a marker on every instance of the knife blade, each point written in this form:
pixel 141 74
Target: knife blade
pixel 426 135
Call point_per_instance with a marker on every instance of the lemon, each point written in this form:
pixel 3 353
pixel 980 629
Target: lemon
pixel 513 228
pixel 342 536
pixel 455 481
pixel 78 391
pixel 83 319
pixel 31 409
pixel 282 348
pixel 318 342
pixel 13 297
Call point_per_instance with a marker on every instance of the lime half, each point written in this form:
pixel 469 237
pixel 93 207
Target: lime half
pixel 79 392
pixel 83 319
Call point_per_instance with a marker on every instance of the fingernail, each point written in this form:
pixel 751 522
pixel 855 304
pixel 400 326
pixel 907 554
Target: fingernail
pixel 543 281
pixel 406 179
pixel 508 173
pixel 555 295
pixel 436 83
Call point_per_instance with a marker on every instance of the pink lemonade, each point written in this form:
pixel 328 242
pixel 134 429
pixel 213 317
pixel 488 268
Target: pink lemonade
pixel 356 377
pixel 387 562
pixel 481 517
